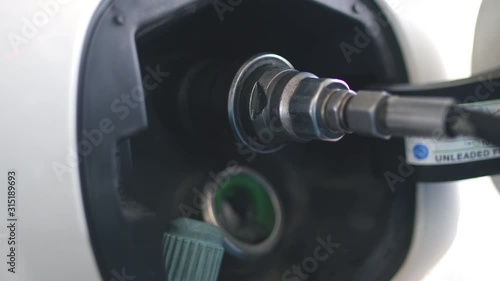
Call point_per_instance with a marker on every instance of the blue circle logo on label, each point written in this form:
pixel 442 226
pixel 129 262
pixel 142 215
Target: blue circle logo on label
pixel 420 151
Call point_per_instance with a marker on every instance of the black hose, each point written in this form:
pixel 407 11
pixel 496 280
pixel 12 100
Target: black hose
pixel 474 123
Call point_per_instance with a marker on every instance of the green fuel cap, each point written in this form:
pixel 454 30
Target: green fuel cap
pixel 192 250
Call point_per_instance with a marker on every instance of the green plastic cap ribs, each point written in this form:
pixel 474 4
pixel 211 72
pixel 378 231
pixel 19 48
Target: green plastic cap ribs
pixel 192 250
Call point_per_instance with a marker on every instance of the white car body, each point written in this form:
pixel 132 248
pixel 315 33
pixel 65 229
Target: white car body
pixel 456 236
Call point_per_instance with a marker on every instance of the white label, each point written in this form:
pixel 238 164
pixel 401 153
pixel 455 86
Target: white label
pixel 428 151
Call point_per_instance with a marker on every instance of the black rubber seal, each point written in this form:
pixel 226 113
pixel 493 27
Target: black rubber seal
pixel 109 70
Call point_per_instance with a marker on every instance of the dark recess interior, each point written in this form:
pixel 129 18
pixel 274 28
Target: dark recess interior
pixel 334 190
